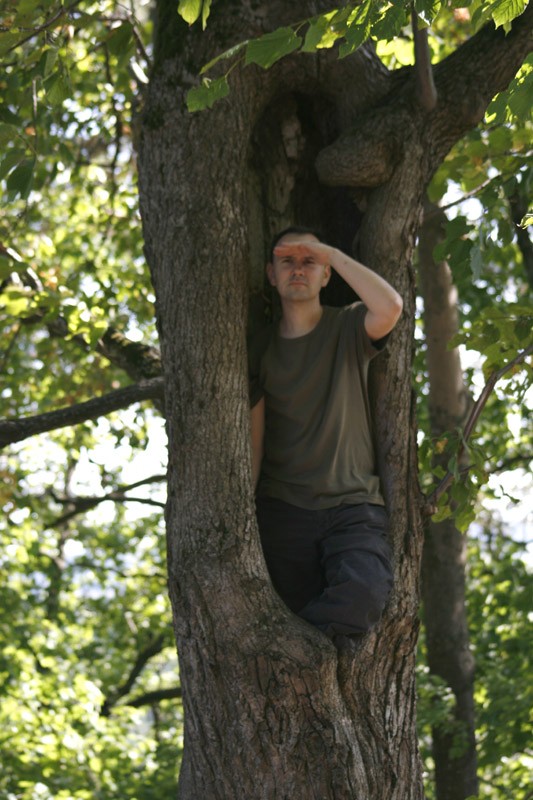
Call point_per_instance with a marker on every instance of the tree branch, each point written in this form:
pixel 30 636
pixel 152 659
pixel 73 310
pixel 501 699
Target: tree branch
pixel 47 24
pixel 471 76
pixel 82 504
pixel 15 430
pixel 425 86
pixel 150 698
pixel 151 649
pixel 464 84
pixel 431 503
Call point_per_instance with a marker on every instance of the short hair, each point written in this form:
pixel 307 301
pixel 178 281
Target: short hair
pixel 293 229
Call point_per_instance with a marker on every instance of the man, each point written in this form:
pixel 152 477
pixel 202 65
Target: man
pixel 320 512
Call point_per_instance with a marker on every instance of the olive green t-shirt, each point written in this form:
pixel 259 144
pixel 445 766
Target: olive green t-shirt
pixel 318 443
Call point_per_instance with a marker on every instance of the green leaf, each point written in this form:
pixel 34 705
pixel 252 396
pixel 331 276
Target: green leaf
pixel 27 10
pixel 20 180
pixel 50 60
pixel 58 89
pixel 476 261
pixel 120 38
pixel 502 12
pixel 358 29
pixel 13 157
pixel 506 10
pixel 206 8
pixel 190 10
pixel 316 32
pixel 16 302
pixel 269 48
pixel 204 96
pixel 6 267
pixel 427 10
pixel 7 134
pixel 9 40
pixel 390 24
pixel 226 54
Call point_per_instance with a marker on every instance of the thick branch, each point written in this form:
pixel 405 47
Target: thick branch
pixel 138 360
pixel 471 76
pixel 479 405
pixel 363 157
pixel 465 82
pixel 15 430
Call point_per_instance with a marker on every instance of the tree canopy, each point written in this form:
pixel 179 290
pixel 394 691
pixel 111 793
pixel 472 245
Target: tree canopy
pixel 90 690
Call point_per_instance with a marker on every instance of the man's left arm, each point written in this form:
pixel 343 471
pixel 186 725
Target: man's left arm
pixel 384 304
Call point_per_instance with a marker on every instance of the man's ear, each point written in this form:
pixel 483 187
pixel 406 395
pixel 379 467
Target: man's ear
pixel 270 273
pixel 327 275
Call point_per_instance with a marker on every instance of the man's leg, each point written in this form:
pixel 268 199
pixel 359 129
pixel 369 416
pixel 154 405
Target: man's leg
pixel 356 563
pixel 290 537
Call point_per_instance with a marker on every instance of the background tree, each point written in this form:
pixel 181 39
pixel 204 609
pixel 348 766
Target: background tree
pixel 287 134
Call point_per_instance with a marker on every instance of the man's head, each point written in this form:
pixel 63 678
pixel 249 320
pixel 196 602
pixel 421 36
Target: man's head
pixel 299 266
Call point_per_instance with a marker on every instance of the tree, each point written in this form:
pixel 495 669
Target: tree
pixel 279 693
pixel 380 138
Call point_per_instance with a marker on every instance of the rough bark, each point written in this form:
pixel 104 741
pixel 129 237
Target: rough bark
pixel 271 709
pixel 444 553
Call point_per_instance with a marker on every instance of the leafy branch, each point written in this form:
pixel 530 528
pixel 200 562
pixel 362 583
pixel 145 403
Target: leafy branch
pixel 47 24
pixel 431 503
pixel 352 24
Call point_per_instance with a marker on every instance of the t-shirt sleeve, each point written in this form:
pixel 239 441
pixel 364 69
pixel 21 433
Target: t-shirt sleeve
pixel 357 313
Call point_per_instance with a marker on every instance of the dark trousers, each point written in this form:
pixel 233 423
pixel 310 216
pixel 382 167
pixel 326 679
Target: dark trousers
pixel 331 566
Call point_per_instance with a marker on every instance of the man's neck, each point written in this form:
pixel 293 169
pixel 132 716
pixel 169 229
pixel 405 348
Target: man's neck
pixel 299 318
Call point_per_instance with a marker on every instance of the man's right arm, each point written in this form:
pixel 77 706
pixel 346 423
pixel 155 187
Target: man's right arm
pixel 257 424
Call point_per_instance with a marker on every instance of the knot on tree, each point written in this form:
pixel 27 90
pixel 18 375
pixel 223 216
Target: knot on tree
pixel 364 157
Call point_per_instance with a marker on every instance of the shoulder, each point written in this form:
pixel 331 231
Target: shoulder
pixel 353 319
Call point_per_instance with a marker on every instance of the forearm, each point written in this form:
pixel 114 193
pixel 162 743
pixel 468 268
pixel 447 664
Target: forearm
pixel 257 457
pixel 257 426
pixel 383 302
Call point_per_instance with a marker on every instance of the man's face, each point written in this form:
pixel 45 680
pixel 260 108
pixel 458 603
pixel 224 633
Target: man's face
pixel 298 271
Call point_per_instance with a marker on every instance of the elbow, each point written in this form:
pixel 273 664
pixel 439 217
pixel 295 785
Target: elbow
pixel 396 308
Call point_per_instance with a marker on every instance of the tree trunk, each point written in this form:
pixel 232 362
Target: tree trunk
pixel 272 710
pixel 444 554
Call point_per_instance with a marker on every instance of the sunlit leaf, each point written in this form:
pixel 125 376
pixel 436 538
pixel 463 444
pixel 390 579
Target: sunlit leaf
pixel 427 10
pixel 358 28
pixel 269 48
pixel 190 10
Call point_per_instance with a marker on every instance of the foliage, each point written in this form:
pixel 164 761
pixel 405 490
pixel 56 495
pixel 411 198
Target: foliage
pixel 84 603
pixel 84 594
pixel 489 171
pixel 349 27
pixel 499 585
